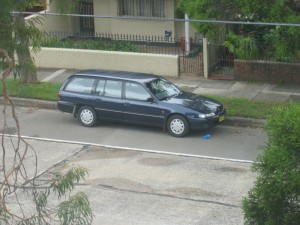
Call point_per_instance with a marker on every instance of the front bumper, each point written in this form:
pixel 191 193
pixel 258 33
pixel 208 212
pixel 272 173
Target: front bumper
pixel 199 124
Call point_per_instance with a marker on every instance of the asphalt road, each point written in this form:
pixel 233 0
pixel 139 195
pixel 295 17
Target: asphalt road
pixel 237 143
pixel 199 181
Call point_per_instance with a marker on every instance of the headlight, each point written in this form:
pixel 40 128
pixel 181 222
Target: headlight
pixel 203 116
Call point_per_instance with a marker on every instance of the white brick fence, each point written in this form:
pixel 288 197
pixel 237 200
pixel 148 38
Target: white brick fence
pixel 164 65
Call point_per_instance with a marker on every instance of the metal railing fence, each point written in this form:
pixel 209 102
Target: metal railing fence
pixel 144 43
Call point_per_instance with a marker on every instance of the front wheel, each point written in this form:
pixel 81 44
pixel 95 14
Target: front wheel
pixel 177 126
pixel 87 116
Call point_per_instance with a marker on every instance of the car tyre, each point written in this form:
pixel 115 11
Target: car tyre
pixel 177 126
pixel 87 116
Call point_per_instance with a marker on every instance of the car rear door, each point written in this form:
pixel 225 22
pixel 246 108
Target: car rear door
pixel 108 99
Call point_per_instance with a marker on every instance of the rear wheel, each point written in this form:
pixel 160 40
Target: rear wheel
pixel 177 126
pixel 87 116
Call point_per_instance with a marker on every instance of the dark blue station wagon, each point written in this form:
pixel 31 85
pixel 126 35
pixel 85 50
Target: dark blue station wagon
pixel 137 98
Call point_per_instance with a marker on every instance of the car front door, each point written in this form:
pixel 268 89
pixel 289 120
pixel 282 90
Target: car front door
pixel 139 105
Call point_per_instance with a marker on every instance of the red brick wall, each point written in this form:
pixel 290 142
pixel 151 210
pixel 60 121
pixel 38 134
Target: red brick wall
pixel 264 71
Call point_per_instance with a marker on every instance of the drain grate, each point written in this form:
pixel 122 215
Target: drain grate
pixel 295 98
pixel 9 130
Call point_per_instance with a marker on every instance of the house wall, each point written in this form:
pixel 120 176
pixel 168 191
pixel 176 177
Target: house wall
pixel 56 23
pixel 103 7
pixel 164 65
pixel 114 26
pixel 180 30
pixel 137 27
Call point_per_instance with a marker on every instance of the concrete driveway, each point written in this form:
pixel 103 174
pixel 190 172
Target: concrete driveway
pixel 136 187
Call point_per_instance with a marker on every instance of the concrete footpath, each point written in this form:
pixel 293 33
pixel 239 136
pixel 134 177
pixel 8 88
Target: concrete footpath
pixel 263 92
pixel 199 85
pixel 254 91
pixel 227 88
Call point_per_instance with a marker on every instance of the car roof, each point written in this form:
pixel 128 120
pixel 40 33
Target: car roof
pixel 124 75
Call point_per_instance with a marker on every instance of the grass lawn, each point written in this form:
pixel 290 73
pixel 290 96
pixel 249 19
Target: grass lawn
pixel 44 91
pixel 246 108
pixel 48 91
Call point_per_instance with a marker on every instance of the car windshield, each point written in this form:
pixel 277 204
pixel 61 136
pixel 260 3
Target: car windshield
pixel 162 89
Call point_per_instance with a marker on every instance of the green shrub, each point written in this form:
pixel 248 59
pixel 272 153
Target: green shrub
pixel 244 47
pixel 284 127
pixel 91 44
pixel 283 43
pixel 275 198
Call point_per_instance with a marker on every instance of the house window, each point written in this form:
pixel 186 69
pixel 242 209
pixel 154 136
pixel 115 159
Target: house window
pixel 142 8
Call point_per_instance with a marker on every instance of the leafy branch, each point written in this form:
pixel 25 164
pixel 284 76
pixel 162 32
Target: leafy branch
pixel 23 199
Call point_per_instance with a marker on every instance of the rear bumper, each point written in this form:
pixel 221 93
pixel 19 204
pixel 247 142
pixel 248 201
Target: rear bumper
pixel 65 106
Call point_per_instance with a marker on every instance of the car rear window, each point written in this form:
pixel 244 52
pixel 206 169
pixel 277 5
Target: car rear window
pixel 80 85
pixel 113 89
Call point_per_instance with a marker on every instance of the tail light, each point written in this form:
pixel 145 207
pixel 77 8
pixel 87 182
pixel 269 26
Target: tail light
pixel 58 95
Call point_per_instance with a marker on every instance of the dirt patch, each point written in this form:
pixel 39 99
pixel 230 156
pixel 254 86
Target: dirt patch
pixel 156 162
pixel 95 152
pixel 190 191
pixel 120 183
pixel 233 170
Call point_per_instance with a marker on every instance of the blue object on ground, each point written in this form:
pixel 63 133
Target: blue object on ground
pixel 206 136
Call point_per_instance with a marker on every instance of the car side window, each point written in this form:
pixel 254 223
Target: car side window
pixel 136 92
pixel 80 85
pixel 113 88
pixel 100 87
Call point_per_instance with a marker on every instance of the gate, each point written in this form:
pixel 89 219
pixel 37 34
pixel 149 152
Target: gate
pixel 221 62
pixel 191 63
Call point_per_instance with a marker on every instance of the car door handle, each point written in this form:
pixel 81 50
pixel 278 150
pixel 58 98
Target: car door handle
pixel 126 104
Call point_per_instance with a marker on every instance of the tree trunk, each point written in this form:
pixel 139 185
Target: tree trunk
pixel 27 69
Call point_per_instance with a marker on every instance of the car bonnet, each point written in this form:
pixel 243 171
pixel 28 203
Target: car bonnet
pixel 195 102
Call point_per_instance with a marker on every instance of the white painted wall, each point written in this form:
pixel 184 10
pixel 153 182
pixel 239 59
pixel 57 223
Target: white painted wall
pixel 164 65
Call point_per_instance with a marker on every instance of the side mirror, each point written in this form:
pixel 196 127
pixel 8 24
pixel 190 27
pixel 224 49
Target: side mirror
pixel 150 99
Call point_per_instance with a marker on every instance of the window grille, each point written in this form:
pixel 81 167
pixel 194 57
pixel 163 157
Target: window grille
pixel 86 9
pixel 141 8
